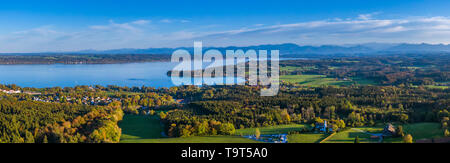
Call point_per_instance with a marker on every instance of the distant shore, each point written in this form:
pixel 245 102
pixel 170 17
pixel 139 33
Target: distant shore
pixel 81 58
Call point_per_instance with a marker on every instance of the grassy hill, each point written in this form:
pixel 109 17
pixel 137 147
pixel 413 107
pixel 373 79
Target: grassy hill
pixel 147 129
pixel 279 129
pixel 322 80
pixel 135 127
pixel 195 139
pixel 417 130
pixel 306 138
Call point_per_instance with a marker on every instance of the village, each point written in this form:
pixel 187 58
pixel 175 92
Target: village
pixel 18 91
pixel 84 100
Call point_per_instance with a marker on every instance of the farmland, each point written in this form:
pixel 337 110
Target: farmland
pixel 306 138
pixel 137 127
pixel 322 80
pixel 417 130
pixel 195 139
pixel 280 129
pixel 147 129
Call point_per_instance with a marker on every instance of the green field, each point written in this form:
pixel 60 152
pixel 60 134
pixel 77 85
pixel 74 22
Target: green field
pixel 279 129
pixel 293 68
pixel 195 139
pixel 349 135
pixel 322 80
pixel 420 131
pixel 312 80
pixel 306 138
pixel 417 130
pixel 424 130
pixel 136 127
pixel 147 129
pixel 437 86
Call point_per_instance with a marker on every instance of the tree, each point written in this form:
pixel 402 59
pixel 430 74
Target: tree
pixel 408 139
pixel 162 115
pixel 404 118
pixel 227 129
pixel 45 139
pixel 202 128
pixel 257 133
pixel 341 124
pixel 186 131
pixel 400 132
pixel 29 138
pixel 152 112
pixel 357 139
pixel 318 120
pixel 335 128
pixel 285 116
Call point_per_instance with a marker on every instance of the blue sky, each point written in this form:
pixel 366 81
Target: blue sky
pixel 39 26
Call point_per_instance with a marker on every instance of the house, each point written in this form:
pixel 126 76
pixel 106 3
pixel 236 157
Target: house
pixel 181 101
pixel 389 130
pixel 10 91
pixel 322 127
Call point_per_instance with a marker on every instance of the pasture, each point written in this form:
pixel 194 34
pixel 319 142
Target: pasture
pixel 417 130
pixel 137 127
pixel 147 129
pixel 195 139
pixel 322 80
pixel 279 129
pixel 306 138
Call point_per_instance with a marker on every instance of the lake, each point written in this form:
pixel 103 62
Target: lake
pixel 152 74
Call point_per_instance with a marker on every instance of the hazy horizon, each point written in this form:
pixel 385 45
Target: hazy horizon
pixel 48 26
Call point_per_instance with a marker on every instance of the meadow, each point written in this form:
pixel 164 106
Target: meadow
pixel 279 129
pixel 306 138
pixel 349 135
pixel 195 139
pixel 417 130
pixel 284 129
pixel 424 130
pixel 322 80
pixel 312 80
pixel 147 129
pixel 138 127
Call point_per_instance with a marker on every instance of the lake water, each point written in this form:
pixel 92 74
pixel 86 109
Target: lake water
pixel 153 74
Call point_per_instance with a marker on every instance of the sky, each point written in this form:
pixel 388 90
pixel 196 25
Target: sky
pixel 57 26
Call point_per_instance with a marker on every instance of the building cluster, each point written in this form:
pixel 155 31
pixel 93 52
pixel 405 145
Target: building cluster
pixel 10 91
pixel 85 100
pixel 274 138
pixel 19 91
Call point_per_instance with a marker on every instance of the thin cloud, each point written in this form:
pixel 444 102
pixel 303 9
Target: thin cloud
pixel 141 22
pixel 166 21
pixel 174 21
pixel 185 21
pixel 143 34
pixel 344 31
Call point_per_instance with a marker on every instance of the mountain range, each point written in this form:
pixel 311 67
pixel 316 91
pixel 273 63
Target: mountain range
pixel 292 49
